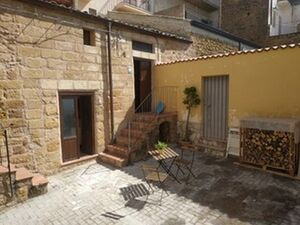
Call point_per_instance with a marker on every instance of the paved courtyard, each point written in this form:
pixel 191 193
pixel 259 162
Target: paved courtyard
pixel 222 193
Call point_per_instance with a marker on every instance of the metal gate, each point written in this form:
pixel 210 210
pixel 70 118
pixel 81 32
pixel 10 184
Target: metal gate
pixel 215 112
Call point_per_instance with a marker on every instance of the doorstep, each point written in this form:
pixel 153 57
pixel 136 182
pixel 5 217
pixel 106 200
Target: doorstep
pixel 81 159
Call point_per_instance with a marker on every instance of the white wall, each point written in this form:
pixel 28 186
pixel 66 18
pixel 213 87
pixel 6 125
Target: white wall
pixel 160 5
pixel 102 6
pixel 286 18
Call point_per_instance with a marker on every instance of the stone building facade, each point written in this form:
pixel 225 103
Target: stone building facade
pixel 246 19
pixel 252 23
pixel 43 55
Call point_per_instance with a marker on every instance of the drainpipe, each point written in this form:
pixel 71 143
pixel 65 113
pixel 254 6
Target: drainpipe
pixel 110 82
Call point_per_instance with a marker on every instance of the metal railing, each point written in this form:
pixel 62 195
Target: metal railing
pixel 139 4
pixel 166 95
pixel 8 162
pixel 109 5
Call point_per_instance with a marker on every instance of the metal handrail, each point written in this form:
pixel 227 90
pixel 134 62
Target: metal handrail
pixel 8 162
pixel 168 95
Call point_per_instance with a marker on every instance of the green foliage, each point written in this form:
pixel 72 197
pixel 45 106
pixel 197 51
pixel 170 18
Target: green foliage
pixel 191 97
pixel 190 100
pixel 160 145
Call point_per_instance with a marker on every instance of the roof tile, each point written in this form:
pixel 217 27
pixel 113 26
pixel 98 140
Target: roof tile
pixel 227 54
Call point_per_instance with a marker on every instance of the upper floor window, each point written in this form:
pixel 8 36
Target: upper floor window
pixel 142 46
pixel 89 37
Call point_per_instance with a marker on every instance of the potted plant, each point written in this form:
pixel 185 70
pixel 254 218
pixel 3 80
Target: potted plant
pixel 190 100
pixel 160 146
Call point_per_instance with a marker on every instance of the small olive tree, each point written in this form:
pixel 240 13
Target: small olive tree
pixel 190 100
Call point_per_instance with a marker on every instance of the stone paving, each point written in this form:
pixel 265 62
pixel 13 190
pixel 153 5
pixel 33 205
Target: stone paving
pixel 222 193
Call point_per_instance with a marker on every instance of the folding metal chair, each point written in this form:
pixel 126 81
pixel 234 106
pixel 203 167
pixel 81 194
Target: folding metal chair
pixel 183 163
pixel 153 175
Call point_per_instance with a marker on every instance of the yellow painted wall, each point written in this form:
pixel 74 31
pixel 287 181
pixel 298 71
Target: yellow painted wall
pixel 265 84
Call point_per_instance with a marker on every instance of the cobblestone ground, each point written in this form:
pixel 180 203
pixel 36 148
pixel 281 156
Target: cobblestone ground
pixel 222 193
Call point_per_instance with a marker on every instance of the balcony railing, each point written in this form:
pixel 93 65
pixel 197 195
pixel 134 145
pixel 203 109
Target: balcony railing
pixel 139 4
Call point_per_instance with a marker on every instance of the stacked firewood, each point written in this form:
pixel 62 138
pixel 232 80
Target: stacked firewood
pixel 273 149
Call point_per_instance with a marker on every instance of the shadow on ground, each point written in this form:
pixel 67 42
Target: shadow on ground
pixel 248 195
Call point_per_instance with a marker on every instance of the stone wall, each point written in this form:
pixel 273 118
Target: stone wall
pixel 283 39
pixel 252 22
pixel 161 22
pixel 247 19
pixel 202 45
pixel 39 58
pixel 42 54
pixel 67 3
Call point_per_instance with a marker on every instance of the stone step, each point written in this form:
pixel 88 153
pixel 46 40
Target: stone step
pixel 39 180
pixel 23 174
pixel 117 150
pixel 112 160
pixel 139 125
pixel 145 117
pixel 39 185
pixel 134 133
pixel 4 169
pixel 23 184
pixel 124 141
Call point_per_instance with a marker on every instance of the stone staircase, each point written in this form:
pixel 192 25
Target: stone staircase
pixel 143 130
pixel 24 184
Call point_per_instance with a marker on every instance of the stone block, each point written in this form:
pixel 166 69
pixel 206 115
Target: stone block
pixel 35 62
pixel 51 53
pixel 89 58
pixel 33 114
pixel 30 83
pixel 29 52
pixel 65 84
pixel 90 49
pixel 65 46
pixel 51 123
pixel 3 199
pixel 22 193
pixel 96 85
pixel 74 66
pixel 72 75
pixel 51 73
pixel 34 124
pixel 57 64
pixel 18 150
pixel 14 104
pixel 53 146
pixel 70 56
pixel 48 84
pixel 51 110
pixel 30 94
pixel 81 85
pixel 49 93
pixel 91 67
pixel 49 100
pixel 33 104
pixel 10 84
pixel 13 94
pixel 15 113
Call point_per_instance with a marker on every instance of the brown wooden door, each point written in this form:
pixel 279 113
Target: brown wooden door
pixel 69 128
pixel 142 73
pixel 145 79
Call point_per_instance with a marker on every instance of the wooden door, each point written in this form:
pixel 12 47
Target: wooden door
pixel 215 112
pixel 142 73
pixel 86 124
pixel 69 127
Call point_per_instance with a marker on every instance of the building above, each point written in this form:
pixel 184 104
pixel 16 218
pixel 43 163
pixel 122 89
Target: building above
pixel 284 17
pixel 204 11
pixel 103 7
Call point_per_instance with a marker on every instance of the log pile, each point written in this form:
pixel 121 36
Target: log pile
pixel 269 149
